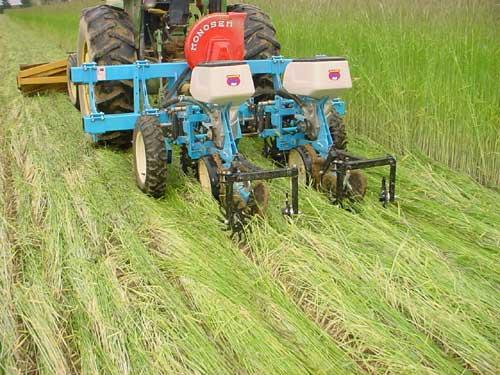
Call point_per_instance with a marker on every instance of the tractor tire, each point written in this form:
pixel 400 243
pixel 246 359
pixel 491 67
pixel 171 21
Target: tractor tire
pixel 106 36
pixel 260 43
pixel 150 156
pixel 72 88
pixel 337 129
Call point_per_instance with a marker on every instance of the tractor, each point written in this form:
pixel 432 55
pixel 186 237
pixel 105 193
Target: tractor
pixel 156 30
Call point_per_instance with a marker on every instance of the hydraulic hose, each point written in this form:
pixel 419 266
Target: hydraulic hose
pixel 187 99
pixel 177 84
pixel 285 94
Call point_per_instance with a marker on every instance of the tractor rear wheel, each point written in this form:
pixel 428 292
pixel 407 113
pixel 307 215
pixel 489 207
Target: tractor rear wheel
pixel 337 129
pixel 72 88
pixel 260 43
pixel 150 156
pixel 106 36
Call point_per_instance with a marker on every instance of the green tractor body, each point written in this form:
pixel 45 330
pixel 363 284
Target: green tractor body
pixel 165 21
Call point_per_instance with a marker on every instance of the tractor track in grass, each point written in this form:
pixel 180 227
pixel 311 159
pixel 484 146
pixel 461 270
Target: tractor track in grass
pixel 134 284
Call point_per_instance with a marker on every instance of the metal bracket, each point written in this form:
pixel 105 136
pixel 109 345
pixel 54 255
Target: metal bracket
pixel 344 163
pixel 278 59
pixel 89 66
pixel 151 112
pixel 98 116
pixel 142 63
pixel 339 106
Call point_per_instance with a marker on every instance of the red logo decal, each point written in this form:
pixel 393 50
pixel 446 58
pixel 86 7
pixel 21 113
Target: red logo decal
pixel 233 80
pixel 334 74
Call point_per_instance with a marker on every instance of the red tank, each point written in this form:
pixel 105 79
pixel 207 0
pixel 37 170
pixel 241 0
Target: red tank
pixel 216 37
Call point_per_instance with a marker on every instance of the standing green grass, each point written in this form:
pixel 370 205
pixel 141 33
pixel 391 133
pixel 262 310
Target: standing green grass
pixel 57 22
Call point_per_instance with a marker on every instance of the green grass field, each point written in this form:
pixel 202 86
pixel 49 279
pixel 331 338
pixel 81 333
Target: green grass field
pixel 96 278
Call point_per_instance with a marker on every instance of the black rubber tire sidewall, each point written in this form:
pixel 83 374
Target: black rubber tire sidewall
pixel 213 175
pixel 307 161
pixel 108 33
pixel 337 129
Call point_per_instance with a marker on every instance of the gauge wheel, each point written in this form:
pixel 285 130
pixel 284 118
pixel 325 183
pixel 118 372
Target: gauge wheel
pixel 300 158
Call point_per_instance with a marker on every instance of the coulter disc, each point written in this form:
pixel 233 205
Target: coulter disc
pixel 354 185
pixel 259 199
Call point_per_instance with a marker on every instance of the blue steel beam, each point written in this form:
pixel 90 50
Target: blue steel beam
pixel 92 73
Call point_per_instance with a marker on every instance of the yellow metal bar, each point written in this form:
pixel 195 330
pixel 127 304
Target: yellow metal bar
pixel 156 11
pixel 29 72
pixel 43 80
pixel 33 89
pixel 35 78
pixel 49 73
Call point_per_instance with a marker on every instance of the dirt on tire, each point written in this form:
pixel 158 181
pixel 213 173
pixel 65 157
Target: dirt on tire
pixel 337 128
